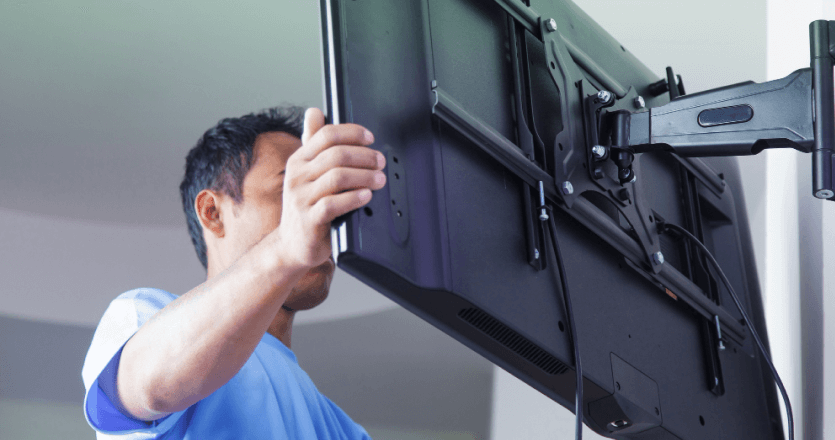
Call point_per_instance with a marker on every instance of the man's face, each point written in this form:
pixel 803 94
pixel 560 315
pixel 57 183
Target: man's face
pixel 260 213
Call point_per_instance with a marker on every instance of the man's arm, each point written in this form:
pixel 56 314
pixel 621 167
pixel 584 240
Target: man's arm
pixel 199 341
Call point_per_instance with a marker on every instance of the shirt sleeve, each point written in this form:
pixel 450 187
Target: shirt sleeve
pixel 119 323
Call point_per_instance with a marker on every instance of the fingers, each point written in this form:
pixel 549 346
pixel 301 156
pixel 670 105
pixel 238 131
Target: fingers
pixel 314 120
pixel 337 180
pixel 336 170
pixel 344 156
pixel 329 135
pixel 331 207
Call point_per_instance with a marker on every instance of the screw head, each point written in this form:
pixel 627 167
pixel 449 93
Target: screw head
pixel 551 24
pixel 634 178
pixel 544 215
pixel 618 424
pixel 604 96
pixel 639 102
pixel 658 257
pixel 824 194
pixel 567 188
pixel 599 151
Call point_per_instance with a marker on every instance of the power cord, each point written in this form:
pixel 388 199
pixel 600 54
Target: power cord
pixel 578 396
pixel 664 227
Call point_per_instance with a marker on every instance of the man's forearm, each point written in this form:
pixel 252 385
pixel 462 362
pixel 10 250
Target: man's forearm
pixel 199 341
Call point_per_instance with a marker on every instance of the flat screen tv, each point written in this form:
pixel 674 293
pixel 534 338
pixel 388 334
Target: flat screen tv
pixel 479 108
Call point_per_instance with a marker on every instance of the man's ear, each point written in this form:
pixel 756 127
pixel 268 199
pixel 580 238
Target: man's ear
pixel 207 207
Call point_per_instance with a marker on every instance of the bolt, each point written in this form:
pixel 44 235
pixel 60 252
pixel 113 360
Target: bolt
pixel 658 257
pixel 625 173
pixel 551 25
pixel 824 194
pixel 434 83
pixel 536 253
pixel 623 194
pixel 721 345
pixel 639 102
pixel 599 151
pixel 543 215
pixel 634 178
pixel 604 96
pixel 598 173
pixel 567 188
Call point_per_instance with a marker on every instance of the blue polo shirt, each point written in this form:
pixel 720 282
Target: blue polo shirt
pixel 271 397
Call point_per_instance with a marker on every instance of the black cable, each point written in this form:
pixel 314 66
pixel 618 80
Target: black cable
pixel 767 358
pixel 578 395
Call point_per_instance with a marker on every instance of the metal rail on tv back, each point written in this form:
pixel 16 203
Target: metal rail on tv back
pixel 797 111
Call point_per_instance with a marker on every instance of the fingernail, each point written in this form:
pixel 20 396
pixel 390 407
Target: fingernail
pixel 380 160
pixel 369 137
pixel 365 195
pixel 380 177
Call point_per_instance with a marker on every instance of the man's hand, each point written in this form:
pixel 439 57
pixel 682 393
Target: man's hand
pixel 332 173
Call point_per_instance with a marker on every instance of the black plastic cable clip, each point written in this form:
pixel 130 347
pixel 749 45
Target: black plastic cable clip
pixel 660 223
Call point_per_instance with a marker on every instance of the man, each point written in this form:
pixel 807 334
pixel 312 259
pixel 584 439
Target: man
pixel 259 197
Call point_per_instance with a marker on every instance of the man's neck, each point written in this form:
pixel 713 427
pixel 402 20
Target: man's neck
pixel 282 326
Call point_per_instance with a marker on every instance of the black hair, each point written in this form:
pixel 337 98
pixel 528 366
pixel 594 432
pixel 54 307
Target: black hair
pixel 223 156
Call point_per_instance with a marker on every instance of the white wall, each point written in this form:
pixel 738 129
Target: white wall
pixel 827 388
pixel 788 50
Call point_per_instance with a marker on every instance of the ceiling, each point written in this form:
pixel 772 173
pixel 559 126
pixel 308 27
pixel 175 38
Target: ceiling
pixel 100 101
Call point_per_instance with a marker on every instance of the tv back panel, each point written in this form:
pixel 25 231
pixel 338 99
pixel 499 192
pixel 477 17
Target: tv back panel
pixel 450 237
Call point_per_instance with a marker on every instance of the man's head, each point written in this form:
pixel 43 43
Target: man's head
pixel 232 192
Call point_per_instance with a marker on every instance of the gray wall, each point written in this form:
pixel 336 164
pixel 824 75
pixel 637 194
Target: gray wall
pixel 40 379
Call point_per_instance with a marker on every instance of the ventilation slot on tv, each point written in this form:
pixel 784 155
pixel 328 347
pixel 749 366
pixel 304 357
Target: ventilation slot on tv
pixel 512 340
